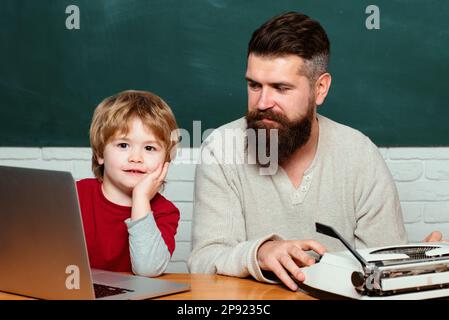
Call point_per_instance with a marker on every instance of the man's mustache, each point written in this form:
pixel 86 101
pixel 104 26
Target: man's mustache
pixel 268 115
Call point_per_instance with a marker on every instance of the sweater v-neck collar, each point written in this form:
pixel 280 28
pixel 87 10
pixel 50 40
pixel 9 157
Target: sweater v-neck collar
pixel 281 177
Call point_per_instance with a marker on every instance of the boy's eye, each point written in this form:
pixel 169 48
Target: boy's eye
pixel 150 148
pixel 122 145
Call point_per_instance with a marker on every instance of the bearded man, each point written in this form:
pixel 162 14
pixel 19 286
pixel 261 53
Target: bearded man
pixel 247 222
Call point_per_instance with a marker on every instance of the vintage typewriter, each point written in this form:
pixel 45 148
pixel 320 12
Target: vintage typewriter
pixel 412 271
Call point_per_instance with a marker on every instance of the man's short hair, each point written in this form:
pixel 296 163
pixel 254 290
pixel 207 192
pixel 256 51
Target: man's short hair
pixel 114 114
pixel 293 33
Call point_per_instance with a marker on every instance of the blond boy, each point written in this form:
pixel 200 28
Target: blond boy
pixel 129 225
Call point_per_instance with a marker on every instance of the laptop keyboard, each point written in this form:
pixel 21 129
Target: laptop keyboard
pixel 102 290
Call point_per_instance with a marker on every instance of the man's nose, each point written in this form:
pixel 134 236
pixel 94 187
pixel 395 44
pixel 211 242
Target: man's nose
pixel 265 100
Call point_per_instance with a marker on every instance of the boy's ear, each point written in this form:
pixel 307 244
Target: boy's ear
pixel 100 160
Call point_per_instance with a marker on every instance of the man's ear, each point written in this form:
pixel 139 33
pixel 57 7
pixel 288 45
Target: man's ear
pixel 322 86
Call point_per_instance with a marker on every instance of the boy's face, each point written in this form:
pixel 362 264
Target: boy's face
pixel 127 159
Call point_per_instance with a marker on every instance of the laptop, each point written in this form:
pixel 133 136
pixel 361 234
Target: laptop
pixel 43 250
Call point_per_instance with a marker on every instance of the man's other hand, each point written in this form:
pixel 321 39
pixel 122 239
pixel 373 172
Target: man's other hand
pixel 435 236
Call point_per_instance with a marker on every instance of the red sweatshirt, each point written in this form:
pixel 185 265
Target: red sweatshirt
pixel 105 229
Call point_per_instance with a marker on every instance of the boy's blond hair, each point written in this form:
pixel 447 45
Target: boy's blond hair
pixel 113 115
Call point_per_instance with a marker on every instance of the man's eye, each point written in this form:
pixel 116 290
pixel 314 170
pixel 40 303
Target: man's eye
pixel 253 85
pixel 282 89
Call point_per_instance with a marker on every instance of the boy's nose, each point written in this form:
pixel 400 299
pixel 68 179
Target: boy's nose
pixel 135 157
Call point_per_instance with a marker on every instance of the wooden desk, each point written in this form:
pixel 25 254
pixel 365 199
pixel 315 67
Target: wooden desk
pixel 215 287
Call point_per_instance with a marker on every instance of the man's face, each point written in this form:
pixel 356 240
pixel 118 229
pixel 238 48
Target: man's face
pixel 280 97
pixel 276 84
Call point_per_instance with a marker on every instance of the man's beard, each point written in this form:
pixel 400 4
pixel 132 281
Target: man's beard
pixel 292 135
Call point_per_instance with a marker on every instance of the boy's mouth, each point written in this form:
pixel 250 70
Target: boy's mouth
pixel 134 171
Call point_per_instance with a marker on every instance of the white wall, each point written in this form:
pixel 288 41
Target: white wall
pixel 422 178
pixel 421 175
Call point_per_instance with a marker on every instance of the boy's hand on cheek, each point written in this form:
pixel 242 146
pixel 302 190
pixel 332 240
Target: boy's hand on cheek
pixel 151 182
pixel 145 190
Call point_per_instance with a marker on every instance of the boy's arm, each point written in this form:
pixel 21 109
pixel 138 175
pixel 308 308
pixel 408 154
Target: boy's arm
pixel 151 237
pixel 148 251
pixel 152 241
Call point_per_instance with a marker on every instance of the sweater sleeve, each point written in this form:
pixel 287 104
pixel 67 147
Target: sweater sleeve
pixel 218 232
pixel 149 253
pixel 377 206
pixel 152 240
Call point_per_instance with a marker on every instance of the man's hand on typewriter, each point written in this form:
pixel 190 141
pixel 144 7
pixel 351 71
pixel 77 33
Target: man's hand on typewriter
pixel 284 257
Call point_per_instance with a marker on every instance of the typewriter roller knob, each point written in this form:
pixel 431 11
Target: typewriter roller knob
pixel 358 280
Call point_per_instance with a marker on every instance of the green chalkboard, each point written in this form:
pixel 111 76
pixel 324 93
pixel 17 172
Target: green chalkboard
pixel 391 83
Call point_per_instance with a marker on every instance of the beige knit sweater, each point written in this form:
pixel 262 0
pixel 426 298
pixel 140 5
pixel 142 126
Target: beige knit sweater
pixel 348 186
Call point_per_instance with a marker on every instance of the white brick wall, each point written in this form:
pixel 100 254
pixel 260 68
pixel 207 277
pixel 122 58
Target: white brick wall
pixel 421 175
pixel 422 178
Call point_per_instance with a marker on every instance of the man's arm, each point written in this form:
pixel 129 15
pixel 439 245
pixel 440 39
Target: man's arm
pixel 376 202
pixel 380 220
pixel 219 238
